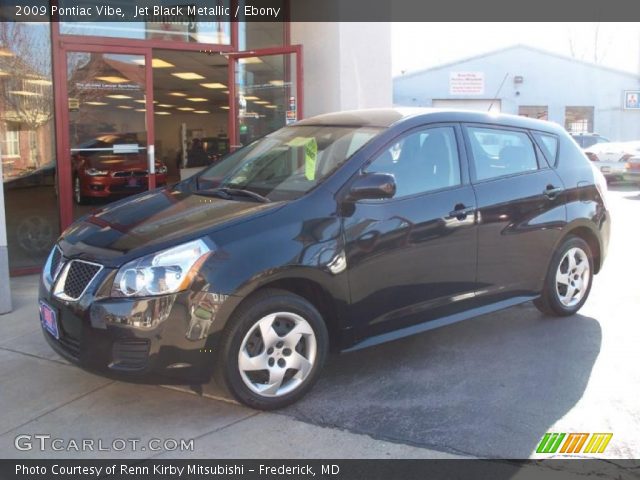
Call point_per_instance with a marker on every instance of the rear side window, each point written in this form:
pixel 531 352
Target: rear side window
pixel 549 146
pixel 497 152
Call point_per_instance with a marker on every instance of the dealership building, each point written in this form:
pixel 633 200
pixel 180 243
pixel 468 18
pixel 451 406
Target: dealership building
pixel 522 80
pixel 163 94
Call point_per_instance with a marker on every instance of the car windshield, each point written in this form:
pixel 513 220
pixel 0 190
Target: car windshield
pixel 287 163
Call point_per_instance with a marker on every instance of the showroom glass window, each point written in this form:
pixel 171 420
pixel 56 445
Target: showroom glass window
pixel 28 142
pixel 184 26
pixel 423 161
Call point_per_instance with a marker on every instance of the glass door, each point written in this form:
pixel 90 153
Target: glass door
pixel 108 129
pixel 266 94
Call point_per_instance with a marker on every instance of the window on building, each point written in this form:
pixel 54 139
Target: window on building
pixel 578 119
pixel 497 153
pixel 11 144
pixel 539 112
pixel 421 162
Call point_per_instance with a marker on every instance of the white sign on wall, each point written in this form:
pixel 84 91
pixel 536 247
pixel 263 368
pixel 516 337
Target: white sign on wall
pixel 466 83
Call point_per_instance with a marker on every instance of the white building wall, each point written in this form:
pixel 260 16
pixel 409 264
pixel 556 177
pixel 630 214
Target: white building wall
pixel 548 80
pixel 346 65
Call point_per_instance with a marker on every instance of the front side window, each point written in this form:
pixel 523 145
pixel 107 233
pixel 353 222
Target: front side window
pixel 497 152
pixel 289 162
pixel 423 161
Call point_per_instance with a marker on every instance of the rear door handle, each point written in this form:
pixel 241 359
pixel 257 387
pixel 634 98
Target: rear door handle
pixel 552 192
pixel 461 212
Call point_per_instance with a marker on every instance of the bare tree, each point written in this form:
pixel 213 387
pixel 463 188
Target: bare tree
pixel 26 94
pixel 590 47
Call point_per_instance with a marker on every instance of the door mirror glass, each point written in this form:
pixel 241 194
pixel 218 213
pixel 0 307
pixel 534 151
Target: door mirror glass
pixel 373 186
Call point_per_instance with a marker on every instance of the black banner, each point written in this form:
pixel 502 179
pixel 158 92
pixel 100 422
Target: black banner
pixel 317 11
pixel 320 469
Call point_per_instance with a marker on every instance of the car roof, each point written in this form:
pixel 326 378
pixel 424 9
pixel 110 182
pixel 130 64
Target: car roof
pixel 387 117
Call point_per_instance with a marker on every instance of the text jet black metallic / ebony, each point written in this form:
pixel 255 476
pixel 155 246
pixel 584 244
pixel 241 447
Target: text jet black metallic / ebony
pixel 341 231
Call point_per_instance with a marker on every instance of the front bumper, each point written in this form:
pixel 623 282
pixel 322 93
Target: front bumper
pixel 107 186
pixel 167 335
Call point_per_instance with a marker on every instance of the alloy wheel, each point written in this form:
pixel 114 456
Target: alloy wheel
pixel 572 277
pixel 277 354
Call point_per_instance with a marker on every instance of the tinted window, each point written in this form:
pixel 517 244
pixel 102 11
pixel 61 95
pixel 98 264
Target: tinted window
pixel 501 152
pixel 422 161
pixel 549 145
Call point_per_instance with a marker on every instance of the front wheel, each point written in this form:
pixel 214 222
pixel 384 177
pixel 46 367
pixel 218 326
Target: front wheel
pixel 273 350
pixel 568 280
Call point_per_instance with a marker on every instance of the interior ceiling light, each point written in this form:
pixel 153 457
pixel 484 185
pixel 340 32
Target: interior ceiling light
pixel 3 74
pixel 188 76
pixel 125 107
pixel 165 105
pixel 39 81
pixel 276 83
pixel 261 102
pixel 252 97
pixel 186 109
pixel 6 53
pixel 197 99
pixel 249 60
pixel 25 93
pixel 271 106
pixel 113 79
pixel 96 103
pixel 178 94
pixel 202 111
pixel 163 113
pixel 119 97
pixel 213 85
pixel 225 107
pixel 140 101
pixel 140 110
pixel 155 63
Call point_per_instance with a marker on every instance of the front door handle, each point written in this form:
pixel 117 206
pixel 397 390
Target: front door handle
pixel 461 212
pixel 552 192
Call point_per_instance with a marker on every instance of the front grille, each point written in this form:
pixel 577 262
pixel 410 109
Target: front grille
pixel 70 345
pixel 79 276
pixel 131 173
pixel 130 354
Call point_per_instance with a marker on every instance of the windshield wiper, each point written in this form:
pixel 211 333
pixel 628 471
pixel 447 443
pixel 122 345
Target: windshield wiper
pixel 227 193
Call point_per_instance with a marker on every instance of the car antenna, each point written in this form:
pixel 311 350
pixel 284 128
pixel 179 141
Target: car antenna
pixel 495 97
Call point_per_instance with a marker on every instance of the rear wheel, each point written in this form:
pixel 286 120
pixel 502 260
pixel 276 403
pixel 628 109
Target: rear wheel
pixel 273 350
pixel 568 280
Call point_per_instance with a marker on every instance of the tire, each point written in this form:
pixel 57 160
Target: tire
pixel 560 299
pixel 292 356
pixel 77 192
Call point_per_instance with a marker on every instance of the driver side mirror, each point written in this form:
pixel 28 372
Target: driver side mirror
pixel 372 186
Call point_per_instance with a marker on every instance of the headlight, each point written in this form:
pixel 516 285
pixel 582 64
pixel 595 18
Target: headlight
pixel 94 172
pixel 168 271
pixel 161 169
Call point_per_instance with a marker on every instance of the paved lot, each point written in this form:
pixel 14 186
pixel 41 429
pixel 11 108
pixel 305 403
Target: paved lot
pixel 490 387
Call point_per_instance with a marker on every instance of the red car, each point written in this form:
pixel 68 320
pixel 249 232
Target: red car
pixel 113 164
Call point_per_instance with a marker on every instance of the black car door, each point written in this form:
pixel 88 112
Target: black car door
pixel 412 253
pixel 520 210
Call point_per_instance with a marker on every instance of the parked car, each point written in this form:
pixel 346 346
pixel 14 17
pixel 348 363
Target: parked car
pixel 610 158
pixel 112 164
pixel 586 140
pixel 632 170
pixel 340 231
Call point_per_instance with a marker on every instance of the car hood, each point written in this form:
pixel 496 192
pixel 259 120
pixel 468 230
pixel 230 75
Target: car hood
pixel 153 221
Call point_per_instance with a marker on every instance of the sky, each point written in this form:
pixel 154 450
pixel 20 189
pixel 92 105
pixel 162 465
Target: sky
pixel 618 44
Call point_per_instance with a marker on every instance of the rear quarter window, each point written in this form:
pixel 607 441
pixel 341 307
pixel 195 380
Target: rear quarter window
pixel 549 146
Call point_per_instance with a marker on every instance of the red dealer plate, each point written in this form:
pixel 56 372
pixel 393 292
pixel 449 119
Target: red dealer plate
pixel 49 320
